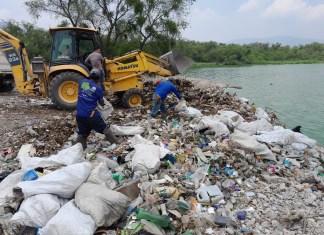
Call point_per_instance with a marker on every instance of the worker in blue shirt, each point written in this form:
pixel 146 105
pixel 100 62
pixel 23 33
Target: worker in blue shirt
pixel 159 95
pixel 87 116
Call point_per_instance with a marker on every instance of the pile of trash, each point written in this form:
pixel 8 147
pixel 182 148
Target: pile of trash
pixel 217 165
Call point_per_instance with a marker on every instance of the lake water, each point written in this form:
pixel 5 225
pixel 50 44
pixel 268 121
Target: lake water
pixel 294 92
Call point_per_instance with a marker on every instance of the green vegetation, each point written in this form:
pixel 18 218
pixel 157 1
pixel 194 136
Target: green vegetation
pixel 215 54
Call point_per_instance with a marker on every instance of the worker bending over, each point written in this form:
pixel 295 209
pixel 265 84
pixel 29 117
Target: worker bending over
pixel 88 118
pixel 159 95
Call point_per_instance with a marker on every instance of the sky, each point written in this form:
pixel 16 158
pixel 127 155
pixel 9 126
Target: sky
pixel 225 20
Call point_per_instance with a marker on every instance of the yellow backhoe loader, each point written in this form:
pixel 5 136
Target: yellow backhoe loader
pixel 6 78
pixel 58 79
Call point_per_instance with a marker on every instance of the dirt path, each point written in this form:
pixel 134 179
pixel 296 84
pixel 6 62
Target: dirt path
pixel 24 118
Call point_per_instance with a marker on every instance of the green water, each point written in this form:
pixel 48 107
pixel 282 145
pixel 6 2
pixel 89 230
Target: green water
pixel 294 92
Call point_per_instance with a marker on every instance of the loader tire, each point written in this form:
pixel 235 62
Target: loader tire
pixel 133 98
pixel 63 90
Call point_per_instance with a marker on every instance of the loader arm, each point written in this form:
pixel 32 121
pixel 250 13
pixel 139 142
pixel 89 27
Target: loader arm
pixel 127 70
pixel 137 62
pixel 15 52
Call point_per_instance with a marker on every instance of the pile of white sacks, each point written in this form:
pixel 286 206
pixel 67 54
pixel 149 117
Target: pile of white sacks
pixel 74 199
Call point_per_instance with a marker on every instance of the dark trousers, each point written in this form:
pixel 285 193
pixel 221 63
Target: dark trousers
pixel 158 104
pixel 85 125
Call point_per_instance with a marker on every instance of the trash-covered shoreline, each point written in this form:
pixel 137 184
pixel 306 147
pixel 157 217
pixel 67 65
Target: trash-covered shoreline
pixel 218 165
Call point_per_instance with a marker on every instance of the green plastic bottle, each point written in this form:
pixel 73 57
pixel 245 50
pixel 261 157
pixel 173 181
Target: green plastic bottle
pixel 161 220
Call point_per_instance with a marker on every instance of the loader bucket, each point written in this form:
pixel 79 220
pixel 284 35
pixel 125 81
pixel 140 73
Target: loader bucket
pixel 178 62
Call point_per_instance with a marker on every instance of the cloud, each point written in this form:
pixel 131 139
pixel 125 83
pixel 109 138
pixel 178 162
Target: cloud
pixel 204 23
pixel 249 6
pixel 299 9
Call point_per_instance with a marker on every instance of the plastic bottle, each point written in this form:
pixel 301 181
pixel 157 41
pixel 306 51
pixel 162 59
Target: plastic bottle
pixel 161 220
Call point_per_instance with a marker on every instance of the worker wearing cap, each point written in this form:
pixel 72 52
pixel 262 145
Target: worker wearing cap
pixel 88 118
pixel 163 88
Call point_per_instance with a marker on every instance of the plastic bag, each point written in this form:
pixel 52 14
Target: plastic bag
pixel 65 157
pixel 69 220
pixel 104 205
pixel 37 210
pixel 105 110
pixel 63 182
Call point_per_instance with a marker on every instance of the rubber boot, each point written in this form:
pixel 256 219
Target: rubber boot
pixel 110 136
pixel 82 141
pixel 164 116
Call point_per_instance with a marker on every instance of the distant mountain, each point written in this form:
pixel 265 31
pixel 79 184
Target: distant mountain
pixel 283 40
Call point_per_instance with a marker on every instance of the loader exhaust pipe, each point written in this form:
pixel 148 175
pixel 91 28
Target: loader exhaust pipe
pixel 178 62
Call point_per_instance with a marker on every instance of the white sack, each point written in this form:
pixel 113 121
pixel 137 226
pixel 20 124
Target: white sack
pixel 7 185
pixel 146 158
pixel 65 157
pixel 126 130
pixel 282 137
pixel 301 138
pixel 101 175
pixel 211 123
pixel 36 211
pixel 182 108
pixel 260 113
pixel 254 127
pixel 191 112
pixel 299 146
pixel 63 182
pixel 249 143
pixel 104 205
pixel 138 139
pixel 69 220
pixel 105 110
pixel 285 137
pixel 229 118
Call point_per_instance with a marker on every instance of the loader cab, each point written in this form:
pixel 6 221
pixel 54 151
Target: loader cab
pixel 72 45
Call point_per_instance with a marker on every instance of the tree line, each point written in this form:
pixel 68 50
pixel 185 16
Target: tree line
pixel 254 53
